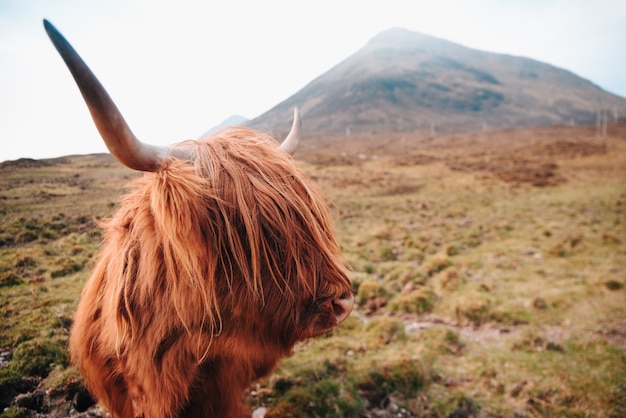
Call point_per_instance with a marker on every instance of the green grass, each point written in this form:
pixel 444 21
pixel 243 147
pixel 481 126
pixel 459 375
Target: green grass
pixel 475 296
pixel 47 243
pixel 508 280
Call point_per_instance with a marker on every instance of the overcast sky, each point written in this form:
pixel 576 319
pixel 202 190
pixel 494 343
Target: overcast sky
pixel 177 68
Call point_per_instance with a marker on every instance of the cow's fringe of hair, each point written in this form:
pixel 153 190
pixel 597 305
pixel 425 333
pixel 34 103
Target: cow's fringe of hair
pixel 190 233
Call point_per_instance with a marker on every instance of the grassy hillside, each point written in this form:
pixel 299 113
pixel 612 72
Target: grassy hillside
pixel 489 271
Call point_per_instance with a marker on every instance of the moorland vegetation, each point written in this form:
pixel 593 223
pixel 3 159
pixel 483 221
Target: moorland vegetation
pixel 489 270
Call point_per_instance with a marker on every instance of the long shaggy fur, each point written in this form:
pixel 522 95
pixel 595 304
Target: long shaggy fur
pixel 210 272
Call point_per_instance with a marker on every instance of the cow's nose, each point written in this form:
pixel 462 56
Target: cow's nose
pixel 343 307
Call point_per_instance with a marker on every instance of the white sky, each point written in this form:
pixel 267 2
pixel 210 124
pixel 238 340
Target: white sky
pixel 177 68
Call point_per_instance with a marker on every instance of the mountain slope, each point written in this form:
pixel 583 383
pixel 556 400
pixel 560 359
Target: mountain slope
pixel 233 120
pixel 406 81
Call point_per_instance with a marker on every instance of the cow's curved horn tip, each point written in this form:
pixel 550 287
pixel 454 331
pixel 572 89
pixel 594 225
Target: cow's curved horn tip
pixel 290 143
pixel 47 25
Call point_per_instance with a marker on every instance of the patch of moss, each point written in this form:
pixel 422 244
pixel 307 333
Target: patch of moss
pixel 36 357
pixel 452 343
pixel 9 381
pixel 369 289
pixel 385 330
pixel 436 263
pixel 405 377
pixel 510 315
pixel 26 236
pixel 66 270
pixel 14 412
pixel 474 307
pixel 418 301
pixel 326 398
pixel 10 279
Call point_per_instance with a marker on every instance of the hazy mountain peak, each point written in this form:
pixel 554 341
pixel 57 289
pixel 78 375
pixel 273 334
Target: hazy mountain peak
pixel 392 35
pixel 407 81
pixel 401 38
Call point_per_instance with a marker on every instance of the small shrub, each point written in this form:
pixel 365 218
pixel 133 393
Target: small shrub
pixel 513 315
pixel 50 235
pixel 6 240
pixel 327 398
pixel 436 263
pixel 9 383
pixel 356 278
pixel 26 236
pixel 10 279
pixel 385 330
pixel 536 343
pixel 559 250
pixel 26 262
pixel 57 226
pixel 449 279
pixel 282 385
pixel 540 303
pixel 386 252
pixel 466 407
pixel 452 343
pixel 451 337
pixel 66 270
pixel 418 301
pixel 326 369
pixel 404 377
pixel 30 224
pixel 453 250
pixel 382 232
pixel 35 357
pixel 369 289
pixel 613 285
pixel 475 308
pixel 15 412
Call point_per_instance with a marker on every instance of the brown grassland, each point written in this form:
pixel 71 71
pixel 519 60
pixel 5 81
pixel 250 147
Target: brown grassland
pixel 489 271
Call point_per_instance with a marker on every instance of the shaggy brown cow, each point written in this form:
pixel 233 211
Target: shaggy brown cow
pixel 215 265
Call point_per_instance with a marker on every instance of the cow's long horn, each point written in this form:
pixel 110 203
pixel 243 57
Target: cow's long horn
pixel 117 136
pixel 293 138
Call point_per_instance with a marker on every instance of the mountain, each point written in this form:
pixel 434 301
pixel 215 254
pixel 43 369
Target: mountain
pixel 233 120
pixel 407 81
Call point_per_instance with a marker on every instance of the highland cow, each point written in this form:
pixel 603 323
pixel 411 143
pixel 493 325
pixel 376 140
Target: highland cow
pixel 218 261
